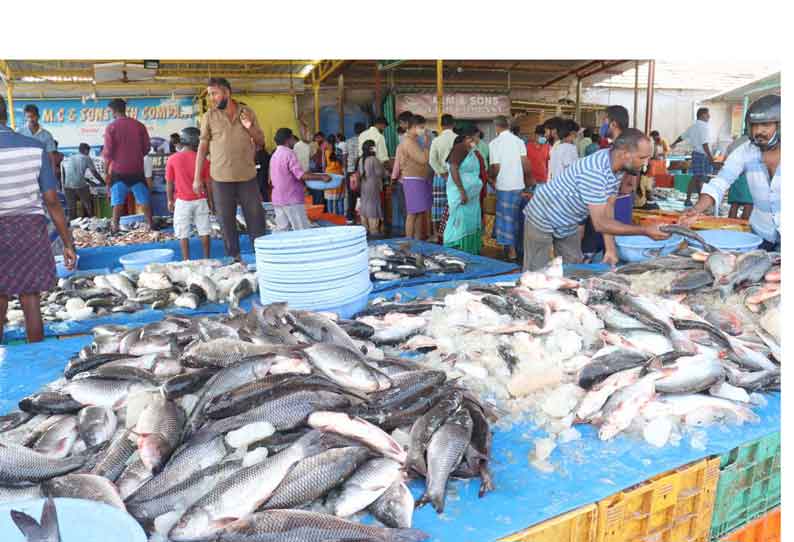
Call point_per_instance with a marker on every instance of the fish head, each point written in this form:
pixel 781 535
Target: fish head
pixel 153 450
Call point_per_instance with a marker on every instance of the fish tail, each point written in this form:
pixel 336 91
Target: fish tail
pixel 27 525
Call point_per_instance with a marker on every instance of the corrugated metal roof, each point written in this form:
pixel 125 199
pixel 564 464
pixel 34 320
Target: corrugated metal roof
pixel 765 85
pixel 696 75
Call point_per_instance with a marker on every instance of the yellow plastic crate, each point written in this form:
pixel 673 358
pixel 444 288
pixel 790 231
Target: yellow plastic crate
pixel 577 526
pixel 672 507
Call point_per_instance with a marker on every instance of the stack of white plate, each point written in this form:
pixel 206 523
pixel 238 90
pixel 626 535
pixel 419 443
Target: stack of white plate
pixel 319 269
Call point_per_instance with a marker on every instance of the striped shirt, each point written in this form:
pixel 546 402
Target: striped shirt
pixel 747 159
pixel 561 204
pixel 25 173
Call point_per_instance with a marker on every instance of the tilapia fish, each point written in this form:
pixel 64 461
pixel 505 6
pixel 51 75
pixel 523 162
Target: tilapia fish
pixel 20 465
pixel 444 452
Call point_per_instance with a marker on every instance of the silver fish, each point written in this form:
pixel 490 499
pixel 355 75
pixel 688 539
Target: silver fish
pixel 303 526
pixel 346 367
pixel 58 440
pixel 19 464
pixel 114 458
pixel 369 482
pixel 395 508
pixel 444 452
pixel 84 486
pixel 691 374
pixel 243 493
pixel 315 476
pixel 159 429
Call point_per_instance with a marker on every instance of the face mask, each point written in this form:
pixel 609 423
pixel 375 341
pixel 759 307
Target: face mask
pixel 223 104
pixel 542 140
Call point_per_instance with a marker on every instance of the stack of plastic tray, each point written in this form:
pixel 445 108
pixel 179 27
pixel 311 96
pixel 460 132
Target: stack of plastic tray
pixel 577 526
pixel 319 269
pixel 672 507
pixel 749 484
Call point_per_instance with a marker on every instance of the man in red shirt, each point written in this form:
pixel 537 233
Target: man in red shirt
pixel 538 152
pixel 126 143
pixel 188 206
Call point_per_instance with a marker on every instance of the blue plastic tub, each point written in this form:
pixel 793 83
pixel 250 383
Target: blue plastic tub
pixel 638 248
pixel 131 219
pixel 78 519
pixel 733 241
pixel 139 260
pixel 335 182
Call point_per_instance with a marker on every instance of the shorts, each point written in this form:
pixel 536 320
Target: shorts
pixel 291 217
pixel 187 213
pixel 119 191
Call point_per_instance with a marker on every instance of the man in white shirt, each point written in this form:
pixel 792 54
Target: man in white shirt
pixel 439 152
pixel 509 173
pixel 375 133
pixel 566 153
pixel 698 137
pixel 758 159
pixel 302 149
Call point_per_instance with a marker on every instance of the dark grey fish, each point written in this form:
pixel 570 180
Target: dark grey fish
pixel 184 384
pixel 444 453
pixel 78 364
pixel 691 281
pixel 676 229
pixel 750 267
pixel 14 420
pixel 395 508
pixel 613 362
pixel 50 402
pixel 424 427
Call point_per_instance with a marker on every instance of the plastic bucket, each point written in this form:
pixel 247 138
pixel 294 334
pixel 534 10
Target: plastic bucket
pixel 139 260
pixel 335 182
pixel 730 240
pixel 638 248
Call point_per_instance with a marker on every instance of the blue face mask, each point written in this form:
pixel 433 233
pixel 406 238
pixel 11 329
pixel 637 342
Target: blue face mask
pixel 542 140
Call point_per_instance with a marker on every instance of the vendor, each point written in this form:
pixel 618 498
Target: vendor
pixel 27 266
pixel 698 136
pixel 586 188
pixel 759 160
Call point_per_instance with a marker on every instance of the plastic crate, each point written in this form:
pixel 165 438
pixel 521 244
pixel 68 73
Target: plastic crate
pixel 672 507
pixel 749 484
pixel 663 181
pixel 763 529
pixel 577 526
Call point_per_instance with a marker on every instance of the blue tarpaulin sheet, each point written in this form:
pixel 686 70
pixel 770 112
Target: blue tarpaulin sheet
pixel 586 470
pixel 476 266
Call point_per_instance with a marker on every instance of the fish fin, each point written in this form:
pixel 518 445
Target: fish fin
pixel 421 501
pixel 29 526
pixel 49 521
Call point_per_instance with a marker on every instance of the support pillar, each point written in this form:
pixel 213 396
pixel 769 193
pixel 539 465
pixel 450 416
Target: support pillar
pixel 636 91
pixel 341 104
pixel 440 90
pixel 649 96
pixel 378 92
pixel 10 104
pixel 316 88
pixel 578 112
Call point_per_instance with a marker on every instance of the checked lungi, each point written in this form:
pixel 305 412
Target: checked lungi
pixel 439 199
pixel 508 217
pixel 27 265
pixel 701 167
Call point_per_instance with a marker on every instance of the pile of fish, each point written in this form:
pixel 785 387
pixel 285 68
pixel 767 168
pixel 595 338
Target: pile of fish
pixel 388 263
pixel 275 424
pixel 560 351
pixel 179 284
pixel 87 238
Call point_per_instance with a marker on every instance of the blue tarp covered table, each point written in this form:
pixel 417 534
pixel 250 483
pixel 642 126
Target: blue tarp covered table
pixel 586 470
pixel 476 266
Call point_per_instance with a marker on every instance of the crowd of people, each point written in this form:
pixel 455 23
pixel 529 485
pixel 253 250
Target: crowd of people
pixel 562 192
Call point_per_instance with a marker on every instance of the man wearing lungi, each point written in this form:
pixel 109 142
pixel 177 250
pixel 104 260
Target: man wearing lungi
pixel 27 266
pixel 697 135
pixel 509 173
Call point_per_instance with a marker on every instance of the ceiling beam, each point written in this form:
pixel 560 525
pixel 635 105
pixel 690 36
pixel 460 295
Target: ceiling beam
pixel 162 73
pixel 219 62
pixel 569 73
pixel 329 68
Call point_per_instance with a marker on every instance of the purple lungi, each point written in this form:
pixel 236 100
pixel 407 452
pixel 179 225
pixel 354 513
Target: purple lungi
pixel 27 265
pixel 418 194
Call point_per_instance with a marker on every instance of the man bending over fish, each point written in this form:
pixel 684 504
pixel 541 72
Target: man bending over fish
pixel 588 187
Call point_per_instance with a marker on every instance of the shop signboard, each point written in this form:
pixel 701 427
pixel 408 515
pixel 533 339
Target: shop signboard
pixel 72 122
pixel 460 105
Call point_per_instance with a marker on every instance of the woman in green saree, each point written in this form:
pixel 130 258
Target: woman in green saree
pixel 464 226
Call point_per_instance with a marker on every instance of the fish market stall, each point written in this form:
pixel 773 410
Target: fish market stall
pixel 585 470
pixel 82 302
pixel 402 263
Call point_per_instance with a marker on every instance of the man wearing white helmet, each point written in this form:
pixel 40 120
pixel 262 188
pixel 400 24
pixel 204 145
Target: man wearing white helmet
pixel 759 160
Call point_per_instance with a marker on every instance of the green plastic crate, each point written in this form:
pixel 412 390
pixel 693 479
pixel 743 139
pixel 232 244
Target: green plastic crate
pixel 681 181
pixel 749 484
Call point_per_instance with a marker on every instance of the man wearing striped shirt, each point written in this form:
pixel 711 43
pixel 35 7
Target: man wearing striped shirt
pixel 587 188
pixel 27 265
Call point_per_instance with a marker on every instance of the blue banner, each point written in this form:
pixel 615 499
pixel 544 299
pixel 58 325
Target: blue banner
pixel 72 122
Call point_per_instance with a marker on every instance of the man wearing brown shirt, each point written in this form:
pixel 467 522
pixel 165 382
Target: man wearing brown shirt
pixel 230 133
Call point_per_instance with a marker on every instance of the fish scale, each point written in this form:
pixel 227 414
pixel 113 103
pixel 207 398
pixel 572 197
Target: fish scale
pixel 20 464
pixel 116 456
pixel 315 476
